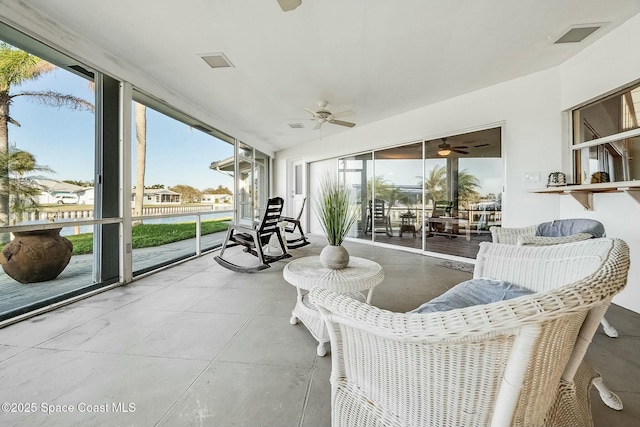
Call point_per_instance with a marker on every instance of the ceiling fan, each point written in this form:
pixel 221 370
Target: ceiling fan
pixel 445 149
pixel 287 5
pixel 325 116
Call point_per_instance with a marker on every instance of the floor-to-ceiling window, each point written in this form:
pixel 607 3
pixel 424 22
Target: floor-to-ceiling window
pixel 51 152
pixel 173 185
pixel 78 151
pixel 439 195
pixel 463 184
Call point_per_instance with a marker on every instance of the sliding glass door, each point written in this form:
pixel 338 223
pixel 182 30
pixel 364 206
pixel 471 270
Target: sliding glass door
pixel 439 195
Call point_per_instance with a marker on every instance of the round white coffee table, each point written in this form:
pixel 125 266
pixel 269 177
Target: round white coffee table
pixel 307 273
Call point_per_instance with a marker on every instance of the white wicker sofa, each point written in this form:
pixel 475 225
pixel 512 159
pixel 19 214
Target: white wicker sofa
pixel 516 362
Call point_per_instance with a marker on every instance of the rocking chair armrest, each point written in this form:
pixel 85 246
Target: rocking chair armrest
pixel 242 228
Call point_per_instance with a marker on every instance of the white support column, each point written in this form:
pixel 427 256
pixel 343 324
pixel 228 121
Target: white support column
pixel 124 117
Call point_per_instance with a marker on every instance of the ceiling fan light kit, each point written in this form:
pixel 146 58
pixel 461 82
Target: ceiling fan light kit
pixel 445 148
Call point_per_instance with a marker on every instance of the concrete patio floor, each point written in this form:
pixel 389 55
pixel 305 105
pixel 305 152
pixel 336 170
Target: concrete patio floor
pixel 197 344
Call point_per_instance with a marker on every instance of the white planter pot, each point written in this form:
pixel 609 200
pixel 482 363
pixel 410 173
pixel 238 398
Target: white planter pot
pixel 334 257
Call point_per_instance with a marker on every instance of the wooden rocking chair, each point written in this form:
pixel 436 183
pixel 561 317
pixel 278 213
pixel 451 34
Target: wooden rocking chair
pixel 255 239
pixel 292 225
pixel 378 218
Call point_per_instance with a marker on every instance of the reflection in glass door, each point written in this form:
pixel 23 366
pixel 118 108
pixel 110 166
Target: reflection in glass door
pixel 355 172
pixel 252 184
pixel 462 191
pixel 261 181
pixel 244 185
pixel 440 195
pixel 395 213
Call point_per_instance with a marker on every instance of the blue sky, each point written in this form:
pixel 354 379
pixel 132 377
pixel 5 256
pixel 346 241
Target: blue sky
pixel 63 139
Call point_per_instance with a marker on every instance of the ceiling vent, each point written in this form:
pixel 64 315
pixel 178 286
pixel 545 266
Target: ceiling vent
pixel 296 125
pixel 217 60
pixel 577 34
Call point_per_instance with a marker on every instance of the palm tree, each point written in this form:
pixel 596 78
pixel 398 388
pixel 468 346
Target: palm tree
pixel 467 187
pixel 435 184
pixel 384 189
pixel 141 157
pixel 23 184
pixel 17 67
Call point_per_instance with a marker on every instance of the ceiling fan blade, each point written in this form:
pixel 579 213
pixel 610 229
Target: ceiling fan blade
pixel 344 114
pixel 287 5
pixel 459 151
pixel 461 146
pixel 342 123
pixel 480 145
pixel 313 113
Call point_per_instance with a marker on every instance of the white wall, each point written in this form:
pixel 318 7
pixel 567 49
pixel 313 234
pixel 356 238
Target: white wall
pixel 536 137
pixel 604 67
pixel 529 109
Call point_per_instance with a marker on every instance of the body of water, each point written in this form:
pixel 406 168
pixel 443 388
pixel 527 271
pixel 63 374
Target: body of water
pixel 69 229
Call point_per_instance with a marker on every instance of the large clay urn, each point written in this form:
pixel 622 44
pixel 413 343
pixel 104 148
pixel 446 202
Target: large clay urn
pixel 36 256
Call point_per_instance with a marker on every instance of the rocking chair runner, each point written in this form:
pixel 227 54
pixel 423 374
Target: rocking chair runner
pixel 292 225
pixel 254 239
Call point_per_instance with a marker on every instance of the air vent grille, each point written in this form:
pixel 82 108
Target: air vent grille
pixel 577 34
pixel 296 125
pixel 217 60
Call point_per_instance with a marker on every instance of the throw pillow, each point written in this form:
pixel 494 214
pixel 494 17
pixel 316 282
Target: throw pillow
pixel 546 241
pixel 567 227
pixel 473 292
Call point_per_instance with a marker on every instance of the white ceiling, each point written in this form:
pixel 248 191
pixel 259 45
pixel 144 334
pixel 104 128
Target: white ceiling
pixel 377 58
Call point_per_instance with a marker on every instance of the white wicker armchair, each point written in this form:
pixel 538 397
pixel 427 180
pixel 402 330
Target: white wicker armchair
pixel 517 362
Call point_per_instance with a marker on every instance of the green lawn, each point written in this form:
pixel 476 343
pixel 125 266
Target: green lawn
pixel 150 235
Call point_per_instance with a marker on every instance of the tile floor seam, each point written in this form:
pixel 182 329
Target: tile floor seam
pixel 63 392
pixel 216 359
pixel 308 392
pixel 68 330
pixel 186 390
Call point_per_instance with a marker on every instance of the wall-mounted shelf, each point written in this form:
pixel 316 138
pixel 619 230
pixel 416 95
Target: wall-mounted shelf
pixel 584 193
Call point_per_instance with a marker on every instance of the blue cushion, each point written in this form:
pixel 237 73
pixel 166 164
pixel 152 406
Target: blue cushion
pixel 569 227
pixel 473 292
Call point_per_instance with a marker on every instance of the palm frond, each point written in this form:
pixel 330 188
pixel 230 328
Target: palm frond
pixel 55 99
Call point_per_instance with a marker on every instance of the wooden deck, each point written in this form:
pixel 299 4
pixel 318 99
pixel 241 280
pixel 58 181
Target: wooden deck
pixel 444 243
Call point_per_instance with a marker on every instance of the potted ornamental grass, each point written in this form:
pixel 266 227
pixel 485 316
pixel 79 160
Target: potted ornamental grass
pixel 337 214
